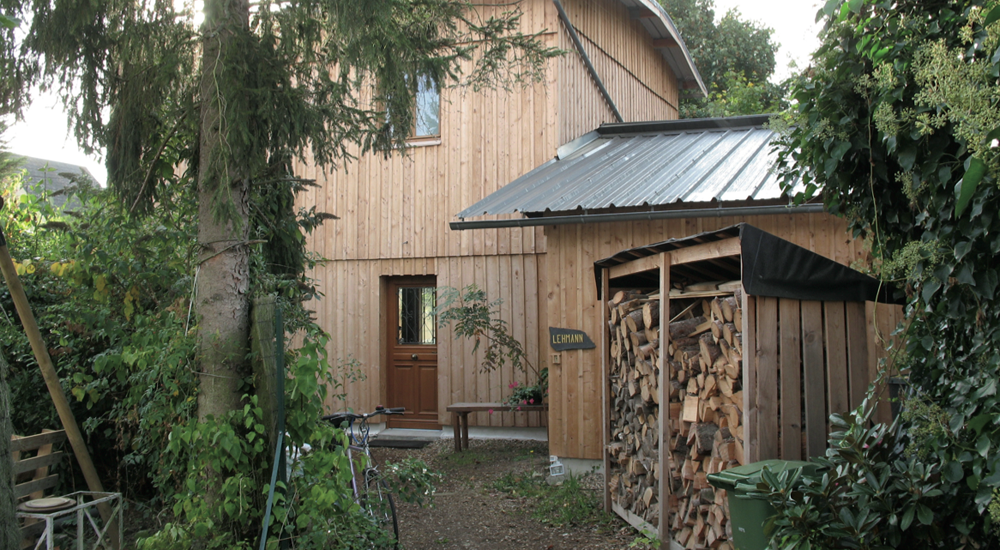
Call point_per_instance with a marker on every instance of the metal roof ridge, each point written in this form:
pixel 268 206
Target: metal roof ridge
pixel 575 145
pixel 684 124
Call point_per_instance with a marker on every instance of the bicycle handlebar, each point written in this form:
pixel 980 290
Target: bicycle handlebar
pixel 340 417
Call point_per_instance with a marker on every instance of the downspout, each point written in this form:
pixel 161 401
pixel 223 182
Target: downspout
pixel 586 60
pixel 641 216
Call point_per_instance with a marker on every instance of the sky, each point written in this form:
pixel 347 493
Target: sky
pixel 43 132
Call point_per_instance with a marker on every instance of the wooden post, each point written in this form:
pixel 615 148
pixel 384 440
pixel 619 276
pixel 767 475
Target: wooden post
pixel 605 386
pixel 664 383
pixel 52 382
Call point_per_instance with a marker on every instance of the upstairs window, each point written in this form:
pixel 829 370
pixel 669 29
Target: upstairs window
pixel 427 109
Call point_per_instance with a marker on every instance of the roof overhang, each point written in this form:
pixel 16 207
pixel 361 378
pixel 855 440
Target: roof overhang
pixel 667 40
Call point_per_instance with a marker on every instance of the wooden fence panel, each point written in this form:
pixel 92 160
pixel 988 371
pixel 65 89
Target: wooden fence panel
pixel 835 342
pixel 766 360
pixel 790 357
pixel 857 351
pixel 812 373
pixel 750 378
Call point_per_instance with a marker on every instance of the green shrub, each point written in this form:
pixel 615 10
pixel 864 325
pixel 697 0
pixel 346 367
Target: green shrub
pixel 872 493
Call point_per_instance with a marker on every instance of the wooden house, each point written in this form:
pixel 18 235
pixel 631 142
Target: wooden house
pixel 628 185
pixel 540 196
pixel 393 243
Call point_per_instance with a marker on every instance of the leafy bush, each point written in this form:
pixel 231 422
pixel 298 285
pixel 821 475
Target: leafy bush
pixel 108 292
pixel 872 493
pixel 111 293
pixel 475 317
pixel 895 124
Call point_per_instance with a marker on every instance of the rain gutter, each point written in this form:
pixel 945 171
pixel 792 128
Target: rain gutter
pixel 640 216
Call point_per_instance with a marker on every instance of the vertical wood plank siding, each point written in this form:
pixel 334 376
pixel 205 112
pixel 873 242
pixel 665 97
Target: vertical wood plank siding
pixel 571 293
pixel 394 214
pixel 832 359
pixel 395 211
pixel 638 79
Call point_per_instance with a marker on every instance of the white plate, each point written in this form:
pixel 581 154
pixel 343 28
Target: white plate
pixel 47 504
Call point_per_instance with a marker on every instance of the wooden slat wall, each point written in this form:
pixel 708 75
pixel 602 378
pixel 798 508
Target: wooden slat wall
pixel 813 376
pixel 635 74
pixel 571 296
pixel 882 346
pixel 832 361
pixel 400 207
pixel 355 323
pixel 394 222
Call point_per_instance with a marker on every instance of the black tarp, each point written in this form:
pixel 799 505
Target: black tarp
pixel 775 267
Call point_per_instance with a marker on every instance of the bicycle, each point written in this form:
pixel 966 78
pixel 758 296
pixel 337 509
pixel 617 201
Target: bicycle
pixel 370 491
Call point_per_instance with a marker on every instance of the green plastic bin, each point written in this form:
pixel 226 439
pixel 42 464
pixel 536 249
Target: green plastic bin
pixel 748 516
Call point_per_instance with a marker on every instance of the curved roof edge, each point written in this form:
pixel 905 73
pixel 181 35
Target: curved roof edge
pixel 676 54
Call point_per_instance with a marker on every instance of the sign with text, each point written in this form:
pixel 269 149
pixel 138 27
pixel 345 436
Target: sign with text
pixel 567 338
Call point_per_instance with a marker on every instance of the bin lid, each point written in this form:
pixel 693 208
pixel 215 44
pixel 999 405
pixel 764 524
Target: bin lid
pixel 750 473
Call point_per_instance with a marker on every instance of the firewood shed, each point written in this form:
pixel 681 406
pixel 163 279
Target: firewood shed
pixel 751 342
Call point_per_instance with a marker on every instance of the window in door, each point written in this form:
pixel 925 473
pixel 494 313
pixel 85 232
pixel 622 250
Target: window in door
pixel 416 317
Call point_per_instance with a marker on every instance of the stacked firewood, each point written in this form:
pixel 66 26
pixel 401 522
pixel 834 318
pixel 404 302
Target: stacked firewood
pixel 703 359
pixel 635 410
pixel 706 411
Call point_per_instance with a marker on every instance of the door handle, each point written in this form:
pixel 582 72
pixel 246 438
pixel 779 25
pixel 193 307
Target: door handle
pixel 414 357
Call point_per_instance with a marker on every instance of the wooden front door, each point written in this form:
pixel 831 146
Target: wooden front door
pixel 412 337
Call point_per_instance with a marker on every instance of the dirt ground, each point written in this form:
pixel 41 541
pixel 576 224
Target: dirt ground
pixel 470 513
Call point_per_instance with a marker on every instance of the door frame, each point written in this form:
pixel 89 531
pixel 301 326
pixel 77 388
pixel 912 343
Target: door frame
pixel 388 285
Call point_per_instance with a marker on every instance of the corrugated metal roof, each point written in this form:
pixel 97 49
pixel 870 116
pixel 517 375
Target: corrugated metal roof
pixel 647 164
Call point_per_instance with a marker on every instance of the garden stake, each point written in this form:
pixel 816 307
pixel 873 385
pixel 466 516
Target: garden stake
pixel 52 382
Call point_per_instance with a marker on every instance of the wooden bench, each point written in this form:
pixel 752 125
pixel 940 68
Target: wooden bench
pixel 33 456
pixel 460 417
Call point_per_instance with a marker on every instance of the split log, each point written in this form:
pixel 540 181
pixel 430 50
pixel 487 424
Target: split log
pixel 684 327
pixel 651 313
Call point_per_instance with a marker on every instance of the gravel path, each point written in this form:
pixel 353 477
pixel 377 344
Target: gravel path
pixel 468 512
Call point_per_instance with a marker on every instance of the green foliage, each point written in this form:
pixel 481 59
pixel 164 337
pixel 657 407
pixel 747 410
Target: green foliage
pixel 645 540
pixel 108 293
pixel 870 495
pixel 567 503
pixel 894 124
pixel 734 57
pixel 534 394
pixel 475 317
pixel 736 96
pixel 409 480
pixel 111 294
pixel 317 508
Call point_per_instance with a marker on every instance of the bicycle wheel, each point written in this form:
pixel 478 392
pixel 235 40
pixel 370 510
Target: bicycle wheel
pixel 378 503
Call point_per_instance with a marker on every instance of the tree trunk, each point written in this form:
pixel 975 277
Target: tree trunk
pixel 223 302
